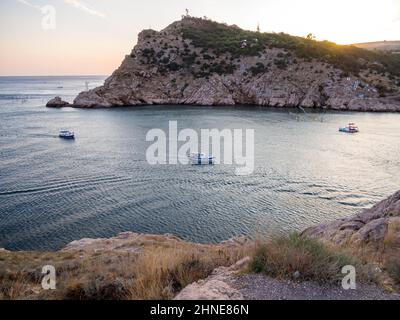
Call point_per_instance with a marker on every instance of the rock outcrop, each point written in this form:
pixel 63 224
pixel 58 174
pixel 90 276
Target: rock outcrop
pixel 133 242
pixel 57 102
pixel 168 68
pixel 370 227
pixel 217 286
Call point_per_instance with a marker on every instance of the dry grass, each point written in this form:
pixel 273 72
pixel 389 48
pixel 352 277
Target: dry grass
pixel 159 271
pixel 301 258
pixel 160 268
pixel 391 252
pixel 392 239
pixel 14 287
pixel 160 274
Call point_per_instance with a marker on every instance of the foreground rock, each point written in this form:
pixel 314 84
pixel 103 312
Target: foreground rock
pixel 167 67
pixel 372 226
pixel 216 287
pixel 57 102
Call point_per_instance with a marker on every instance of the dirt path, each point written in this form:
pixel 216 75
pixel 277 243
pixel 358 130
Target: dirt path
pixel 231 284
pixel 259 287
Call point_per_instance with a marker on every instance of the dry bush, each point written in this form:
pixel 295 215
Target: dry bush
pixel 161 274
pixel 156 273
pixel 13 286
pixel 391 253
pixel 301 258
pixel 392 266
pixel 96 288
pixel 392 238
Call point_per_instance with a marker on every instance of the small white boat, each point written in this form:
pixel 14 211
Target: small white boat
pixel 66 134
pixel 201 159
pixel 351 128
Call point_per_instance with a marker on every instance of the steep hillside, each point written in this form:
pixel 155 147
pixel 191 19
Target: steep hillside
pixel 201 62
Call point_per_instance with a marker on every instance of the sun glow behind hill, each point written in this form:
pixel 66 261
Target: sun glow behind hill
pixel 390 46
pixel 347 22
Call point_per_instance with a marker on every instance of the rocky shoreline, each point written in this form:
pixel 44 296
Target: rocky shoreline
pixel 379 105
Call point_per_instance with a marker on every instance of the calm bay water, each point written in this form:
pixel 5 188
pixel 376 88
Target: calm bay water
pixel 54 191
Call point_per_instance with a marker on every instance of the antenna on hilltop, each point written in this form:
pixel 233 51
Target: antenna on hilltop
pixel 186 15
pixel 258 28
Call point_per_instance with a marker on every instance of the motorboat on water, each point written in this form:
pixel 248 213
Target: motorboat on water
pixel 201 159
pixel 66 134
pixel 351 128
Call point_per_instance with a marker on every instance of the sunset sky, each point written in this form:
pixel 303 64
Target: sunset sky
pixel 92 36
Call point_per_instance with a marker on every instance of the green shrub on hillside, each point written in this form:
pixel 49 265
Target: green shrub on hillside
pixel 281 63
pixel 221 38
pixel 173 66
pixel 258 68
pixel 221 68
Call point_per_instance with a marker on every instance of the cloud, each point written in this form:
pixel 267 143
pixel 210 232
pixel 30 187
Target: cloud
pixel 78 4
pixel 84 7
pixel 27 3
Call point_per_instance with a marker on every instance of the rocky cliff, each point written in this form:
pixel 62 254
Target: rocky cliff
pixel 200 62
pixel 375 226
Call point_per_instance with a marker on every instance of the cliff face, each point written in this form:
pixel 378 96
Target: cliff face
pixel 179 65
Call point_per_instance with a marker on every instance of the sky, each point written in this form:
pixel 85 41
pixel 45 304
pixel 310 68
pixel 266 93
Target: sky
pixel 91 37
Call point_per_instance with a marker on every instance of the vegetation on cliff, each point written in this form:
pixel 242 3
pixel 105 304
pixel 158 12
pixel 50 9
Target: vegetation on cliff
pixel 222 39
pixel 147 267
pixel 302 258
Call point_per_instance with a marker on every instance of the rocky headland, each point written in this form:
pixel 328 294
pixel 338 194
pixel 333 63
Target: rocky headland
pixel 200 62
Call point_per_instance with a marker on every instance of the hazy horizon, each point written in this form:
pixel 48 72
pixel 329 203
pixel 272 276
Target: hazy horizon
pixel 92 37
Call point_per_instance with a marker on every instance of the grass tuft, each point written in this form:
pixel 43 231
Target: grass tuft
pixel 304 259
